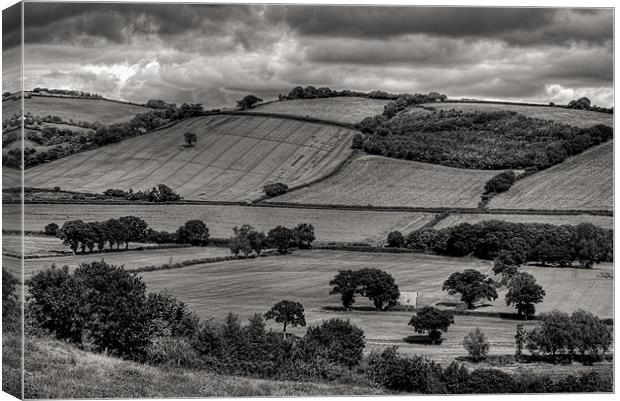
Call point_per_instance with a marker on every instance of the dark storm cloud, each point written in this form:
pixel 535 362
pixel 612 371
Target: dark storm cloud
pixel 514 25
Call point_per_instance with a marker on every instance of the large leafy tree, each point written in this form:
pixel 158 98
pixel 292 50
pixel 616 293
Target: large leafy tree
pixel 304 235
pixel 523 293
pixel 432 320
pixel 345 283
pixel 375 284
pixel 194 232
pixel 246 239
pixel 280 237
pixel 472 285
pixel 75 233
pixel 248 102
pixel 135 228
pixel 287 313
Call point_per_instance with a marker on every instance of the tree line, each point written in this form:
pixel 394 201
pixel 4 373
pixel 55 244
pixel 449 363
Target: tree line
pixel 521 242
pixel 483 140
pixel 119 317
pixel 247 239
pixel 311 92
pixel 160 193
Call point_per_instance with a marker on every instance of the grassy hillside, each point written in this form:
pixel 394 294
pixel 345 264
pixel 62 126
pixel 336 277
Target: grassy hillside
pixel 582 182
pixel 57 370
pixel 90 110
pixel 381 181
pixel 329 225
pixel 232 159
pixel 342 109
pixel 11 177
pixel 472 218
pixel 217 288
pixel 577 118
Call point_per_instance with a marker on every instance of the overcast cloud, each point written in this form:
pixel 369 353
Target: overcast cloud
pixel 214 54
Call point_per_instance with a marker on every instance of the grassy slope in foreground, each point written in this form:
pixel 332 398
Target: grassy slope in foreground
pixel 472 218
pixel 90 110
pixel 57 370
pixel 232 159
pixel 329 225
pixel 382 181
pixel 583 182
pixel 577 118
pixel 218 288
pixel 349 110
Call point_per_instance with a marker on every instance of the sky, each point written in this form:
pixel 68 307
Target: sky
pixel 216 54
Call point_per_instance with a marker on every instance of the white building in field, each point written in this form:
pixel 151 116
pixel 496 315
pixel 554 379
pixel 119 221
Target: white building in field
pixel 408 298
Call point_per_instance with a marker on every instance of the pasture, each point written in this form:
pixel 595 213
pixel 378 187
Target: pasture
pixel 472 218
pixel 577 118
pixel 582 182
pixel 231 161
pixel 90 110
pixel 382 181
pixel 253 286
pixel 329 225
pixel 349 110
pixel 11 177
pixel 130 259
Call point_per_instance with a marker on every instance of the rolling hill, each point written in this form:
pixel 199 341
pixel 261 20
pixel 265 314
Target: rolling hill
pixel 349 110
pixel 231 161
pixel 577 118
pixel 472 218
pixel 584 182
pixel 382 181
pixel 76 109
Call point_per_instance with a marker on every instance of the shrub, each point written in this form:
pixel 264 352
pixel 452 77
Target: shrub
pixel 173 352
pixel 272 190
pixel 51 229
pixel 357 142
pixel 476 344
pixel 169 316
pixel 395 239
pixel 98 305
pixel 490 381
pixel 335 340
pixel 11 313
pixel 500 183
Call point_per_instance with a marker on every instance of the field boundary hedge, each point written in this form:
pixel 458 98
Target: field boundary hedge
pixel 201 261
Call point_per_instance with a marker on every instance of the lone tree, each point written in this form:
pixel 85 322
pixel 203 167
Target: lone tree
pixel 433 320
pixel 275 189
pixel 287 313
pixel 472 285
pixel 190 139
pixel 194 232
pixel 523 293
pixel 248 102
pixel 281 238
pixel 476 344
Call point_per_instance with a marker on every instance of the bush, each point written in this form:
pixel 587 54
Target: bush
pixel 357 142
pixel 486 381
pixel 336 341
pixel 476 344
pixel 173 352
pixel 500 183
pixel 51 229
pixel 11 311
pixel 395 239
pixel 99 306
pixel 272 190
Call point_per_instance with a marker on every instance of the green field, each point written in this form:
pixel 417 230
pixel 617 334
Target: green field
pixel 577 118
pixel 329 225
pixel 232 159
pixel 349 110
pixel 583 182
pixel 382 181
pixel 472 218
pixel 253 286
pixel 90 110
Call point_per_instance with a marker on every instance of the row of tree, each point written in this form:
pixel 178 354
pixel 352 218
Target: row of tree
pixel 247 239
pixel 160 193
pixel 79 234
pixel 544 243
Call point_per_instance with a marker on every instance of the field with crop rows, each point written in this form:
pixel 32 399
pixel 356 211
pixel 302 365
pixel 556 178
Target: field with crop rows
pixel 577 118
pixel 232 159
pixel 350 110
pixel 218 288
pixel 130 259
pixel 382 181
pixel 90 110
pixel 329 225
pixel 472 218
pixel 584 182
